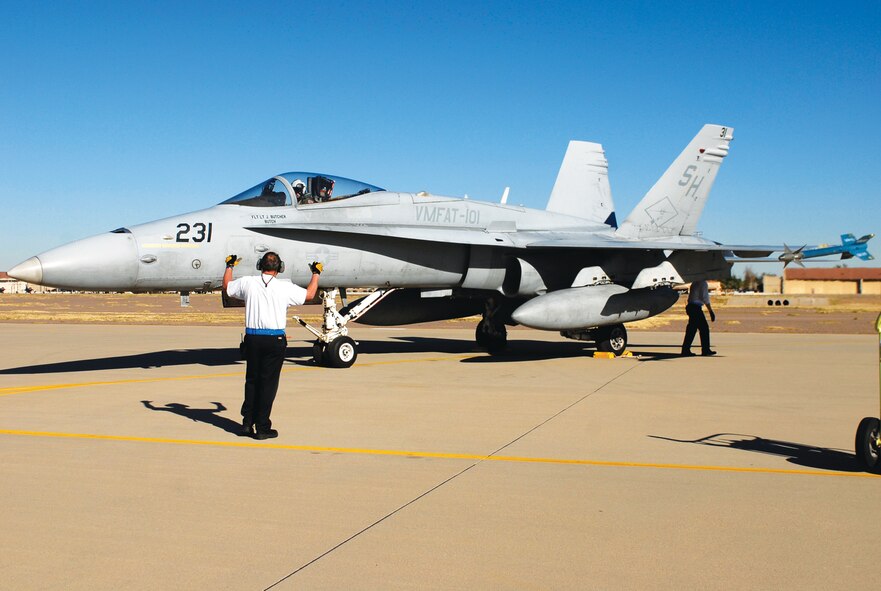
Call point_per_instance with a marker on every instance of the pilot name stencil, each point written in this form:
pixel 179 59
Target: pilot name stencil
pixel 447 215
pixel 269 218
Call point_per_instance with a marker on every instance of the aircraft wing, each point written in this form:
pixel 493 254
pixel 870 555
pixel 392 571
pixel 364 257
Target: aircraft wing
pixel 509 237
pixel 739 250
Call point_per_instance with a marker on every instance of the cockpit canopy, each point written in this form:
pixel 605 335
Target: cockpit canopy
pixel 302 188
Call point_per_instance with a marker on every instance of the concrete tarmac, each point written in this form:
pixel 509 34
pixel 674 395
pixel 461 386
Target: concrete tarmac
pixel 430 465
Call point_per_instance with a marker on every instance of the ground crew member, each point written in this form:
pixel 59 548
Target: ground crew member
pixel 266 301
pixel 698 296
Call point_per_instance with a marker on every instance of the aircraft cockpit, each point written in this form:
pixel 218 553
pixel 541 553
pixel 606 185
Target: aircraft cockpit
pixel 301 188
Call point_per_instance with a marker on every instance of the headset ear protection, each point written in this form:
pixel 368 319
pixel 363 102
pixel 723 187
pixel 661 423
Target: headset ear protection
pixel 263 265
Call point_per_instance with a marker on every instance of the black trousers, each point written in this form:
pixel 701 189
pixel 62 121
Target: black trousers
pixel 696 322
pixel 265 355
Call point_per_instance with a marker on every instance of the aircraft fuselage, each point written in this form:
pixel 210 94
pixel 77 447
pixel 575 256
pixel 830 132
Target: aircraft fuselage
pixel 187 252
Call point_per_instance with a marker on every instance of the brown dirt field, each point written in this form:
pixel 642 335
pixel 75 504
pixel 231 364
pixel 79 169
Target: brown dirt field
pixel 741 314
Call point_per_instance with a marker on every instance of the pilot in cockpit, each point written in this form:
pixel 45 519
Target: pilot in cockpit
pixel 300 192
pixel 326 192
pixel 322 188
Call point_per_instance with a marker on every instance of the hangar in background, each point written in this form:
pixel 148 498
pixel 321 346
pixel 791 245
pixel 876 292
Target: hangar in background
pixel 817 281
pixel 11 285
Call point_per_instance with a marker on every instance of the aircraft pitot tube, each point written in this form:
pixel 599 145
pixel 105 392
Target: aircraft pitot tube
pixel 595 305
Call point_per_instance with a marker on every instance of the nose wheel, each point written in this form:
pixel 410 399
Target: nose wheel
pixel 340 352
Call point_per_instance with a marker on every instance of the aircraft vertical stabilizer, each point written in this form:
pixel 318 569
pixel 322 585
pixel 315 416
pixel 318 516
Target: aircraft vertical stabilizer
pixel 582 187
pixel 675 202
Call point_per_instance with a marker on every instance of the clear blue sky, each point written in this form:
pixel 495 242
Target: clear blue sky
pixel 116 113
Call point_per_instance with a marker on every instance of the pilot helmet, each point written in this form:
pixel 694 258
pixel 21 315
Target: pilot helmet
pixel 299 187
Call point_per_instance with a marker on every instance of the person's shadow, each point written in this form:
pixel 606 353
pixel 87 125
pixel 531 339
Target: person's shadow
pixel 812 456
pixel 200 415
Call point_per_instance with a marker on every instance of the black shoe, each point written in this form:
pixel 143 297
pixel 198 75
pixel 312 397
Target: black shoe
pixel 268 434
pixel 708 353
pixel 246 430
pixel 687 354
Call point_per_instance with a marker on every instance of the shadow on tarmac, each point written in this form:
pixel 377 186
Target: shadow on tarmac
pixel 518 350
pixel 208 416
pixel 821 458
pixel 301 354
pixel 211 357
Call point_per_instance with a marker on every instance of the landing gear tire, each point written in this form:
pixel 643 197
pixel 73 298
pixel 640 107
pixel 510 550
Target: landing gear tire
pixel 866 444
pixel 611 339
pixel 480 335
pixel 341 352
pixel 318 352
pixel 494 341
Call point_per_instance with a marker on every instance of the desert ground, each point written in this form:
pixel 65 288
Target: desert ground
pixel 748 313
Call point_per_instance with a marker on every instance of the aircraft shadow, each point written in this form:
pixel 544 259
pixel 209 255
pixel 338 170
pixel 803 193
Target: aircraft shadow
pixel 301 354
pixel 207 357
pixel 208 416
pixel 821 458
pixel 655 345
pixel 518 350
pixel 408 344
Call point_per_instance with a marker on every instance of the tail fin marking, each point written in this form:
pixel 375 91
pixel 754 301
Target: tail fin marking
pixel 675 202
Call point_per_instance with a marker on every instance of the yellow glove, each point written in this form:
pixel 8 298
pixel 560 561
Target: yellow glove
pixel 316 267
pixel 232 260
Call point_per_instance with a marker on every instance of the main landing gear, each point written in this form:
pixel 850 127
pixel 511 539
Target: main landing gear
pixel 609 339
pixel 333 346
pixel 491 333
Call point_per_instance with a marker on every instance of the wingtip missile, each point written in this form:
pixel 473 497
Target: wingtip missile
pixel 850 247
pixel 792 256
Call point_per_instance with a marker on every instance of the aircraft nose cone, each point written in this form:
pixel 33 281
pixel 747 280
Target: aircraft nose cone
pixel 103 262
pixel 30 271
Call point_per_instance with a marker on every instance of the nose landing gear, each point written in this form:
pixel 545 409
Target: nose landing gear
pixel 333 347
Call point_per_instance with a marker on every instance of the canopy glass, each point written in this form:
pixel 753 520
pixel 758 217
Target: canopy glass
pixel 302 188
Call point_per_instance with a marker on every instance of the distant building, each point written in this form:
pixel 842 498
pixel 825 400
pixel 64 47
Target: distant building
pixel 822 281
pixel 11 285
pixel 772 284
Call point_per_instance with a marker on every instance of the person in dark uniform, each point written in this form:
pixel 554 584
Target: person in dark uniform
pixel 698 296
pixel 266 301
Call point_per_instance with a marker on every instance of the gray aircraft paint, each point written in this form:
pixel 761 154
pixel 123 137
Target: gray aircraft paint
pixel 537 260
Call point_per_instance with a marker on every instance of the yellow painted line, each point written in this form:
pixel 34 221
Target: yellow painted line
pixel 39 388
pixel 435 455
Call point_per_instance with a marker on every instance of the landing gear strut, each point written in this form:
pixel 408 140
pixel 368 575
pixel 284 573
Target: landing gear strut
pixel 333 347
pixel 491 334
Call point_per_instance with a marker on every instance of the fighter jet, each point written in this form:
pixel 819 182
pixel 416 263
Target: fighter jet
pixel 569 268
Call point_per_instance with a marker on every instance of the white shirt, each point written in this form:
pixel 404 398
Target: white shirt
pixel 266 299
pixel 699 293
